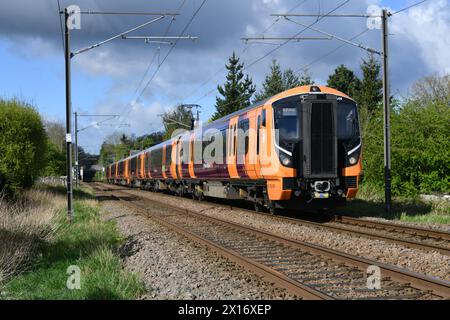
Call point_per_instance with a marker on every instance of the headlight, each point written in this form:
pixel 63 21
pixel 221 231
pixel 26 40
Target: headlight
pixel 285 160
pixel 352 160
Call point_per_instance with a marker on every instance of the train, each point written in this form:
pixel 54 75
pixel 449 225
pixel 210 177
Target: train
pixel 298 150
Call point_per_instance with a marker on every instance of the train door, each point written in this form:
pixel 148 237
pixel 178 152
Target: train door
pixel 147 164
pixel 141 166
pixel 250 161
pixel 242 144
pixel 258 147
pixel 265 144
pixel 173 159
pixel 231 148
pixel 127 172
pixel 191 155
pixel 164 168
pixel 222 168
pixel 179 157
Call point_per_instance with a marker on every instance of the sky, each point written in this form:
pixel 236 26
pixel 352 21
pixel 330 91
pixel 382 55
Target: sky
pixel 131 78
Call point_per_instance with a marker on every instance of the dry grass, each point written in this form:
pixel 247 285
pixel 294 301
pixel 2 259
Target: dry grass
pixel 24 223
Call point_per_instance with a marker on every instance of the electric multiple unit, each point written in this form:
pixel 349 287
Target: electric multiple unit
pixel 300 149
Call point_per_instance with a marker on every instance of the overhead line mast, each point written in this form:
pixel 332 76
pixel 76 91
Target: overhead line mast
pixel 68 12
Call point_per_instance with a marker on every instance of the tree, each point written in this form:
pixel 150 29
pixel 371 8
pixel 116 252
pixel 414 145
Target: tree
pixel 55 161
pixel 23 143
pixel 277 81
pixel 344 80
pixel 304 80
pixel 274 82
pixel 118 146
pixel 236 91
pixel 432 88
pixel 56 133
pixel 148 140
pixel 178 118
pixel 370 94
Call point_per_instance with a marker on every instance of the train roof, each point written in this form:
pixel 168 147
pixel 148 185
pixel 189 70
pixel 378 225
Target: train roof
pixel 288 93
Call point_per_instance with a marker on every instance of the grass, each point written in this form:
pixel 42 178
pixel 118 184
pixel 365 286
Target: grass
pixel 370 203
pixel 89 243
pixel 25 223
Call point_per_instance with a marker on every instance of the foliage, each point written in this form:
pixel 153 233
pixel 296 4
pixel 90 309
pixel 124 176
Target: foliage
pixel 304 80
pixel 419 145
pixel 277 81
pixel 344 80
pixel 178 118
pixel 236 92
pixel 273 83
pixel 119 146
pixel 432 88
pixel 370 94
pixel 23 144
pixel 55 161
pixel 55 156
pixel 56 133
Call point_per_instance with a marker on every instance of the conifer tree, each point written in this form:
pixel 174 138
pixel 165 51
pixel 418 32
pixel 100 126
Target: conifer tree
pixel 236 92
pixel 273 84
pixel 304 80
pixel 277 81
pixel 344 80
pixel 370 94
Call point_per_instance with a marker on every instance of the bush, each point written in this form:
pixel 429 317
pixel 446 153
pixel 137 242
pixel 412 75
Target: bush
pixel 55 161
pixel 420 148
pixel 421 152
pixel 23 144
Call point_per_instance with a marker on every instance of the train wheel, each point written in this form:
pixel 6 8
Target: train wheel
pixel 257 203
pixel 272 207
pixel 258 206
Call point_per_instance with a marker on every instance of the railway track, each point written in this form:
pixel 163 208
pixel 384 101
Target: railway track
pixel 410 237
pixel 307 270
pixel 413 237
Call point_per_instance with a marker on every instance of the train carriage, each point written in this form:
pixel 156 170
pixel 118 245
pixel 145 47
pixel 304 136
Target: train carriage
pixel 300 149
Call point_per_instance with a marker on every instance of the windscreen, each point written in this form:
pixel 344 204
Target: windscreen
pixel 348 126
pixel 287 122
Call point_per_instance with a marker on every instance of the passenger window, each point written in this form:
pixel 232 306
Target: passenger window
pixel 257 134
pixel 244 126
pixel 234 140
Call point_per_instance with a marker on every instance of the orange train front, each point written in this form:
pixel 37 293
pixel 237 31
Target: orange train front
pixel 300 149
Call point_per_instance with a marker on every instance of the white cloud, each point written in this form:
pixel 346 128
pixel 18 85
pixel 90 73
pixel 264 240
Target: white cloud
pixel 427 28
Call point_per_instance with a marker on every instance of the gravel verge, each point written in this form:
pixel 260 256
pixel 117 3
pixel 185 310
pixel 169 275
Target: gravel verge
pixel 429 263
pixel 173 267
